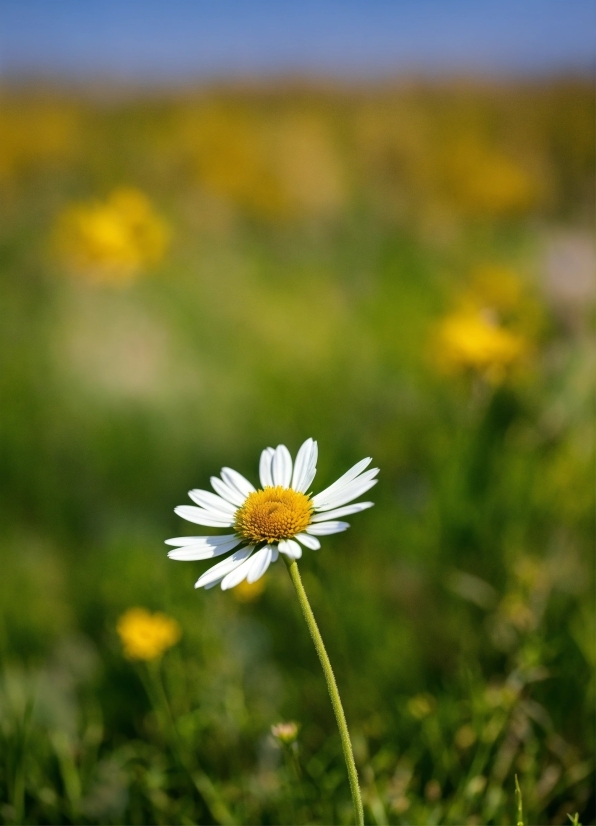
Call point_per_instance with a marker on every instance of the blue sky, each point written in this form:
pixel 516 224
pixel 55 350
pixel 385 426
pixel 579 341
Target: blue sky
pixel 180 40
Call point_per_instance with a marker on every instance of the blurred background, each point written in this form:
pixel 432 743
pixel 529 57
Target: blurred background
pixel 228 225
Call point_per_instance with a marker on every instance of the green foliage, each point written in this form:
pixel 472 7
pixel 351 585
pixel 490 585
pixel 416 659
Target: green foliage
pixel 317 239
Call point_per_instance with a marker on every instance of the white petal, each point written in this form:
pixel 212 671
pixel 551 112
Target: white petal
pixel 324 528
pixel 203 517
pixel 216 573
pixel 180 541
pixel 308 541
pixel 236 480
pixel 351 491
pixel 282 466
pixel 345 511
pixel 352 473
pixel 210 501
pixel 309 479
pixel 236 576
pixel 301 465
pixel 265 467
pixel 312 468
pixel 193 552
pixel 259 563
pixel 274 553
pixel 226 492
pixel 290 548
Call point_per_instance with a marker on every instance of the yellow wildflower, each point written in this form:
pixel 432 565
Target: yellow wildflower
pixel 484 180
pixel 35 133
pixel 273 166
pixel 114 240
pixel 472 339
pixel 145 636
pixel 249 591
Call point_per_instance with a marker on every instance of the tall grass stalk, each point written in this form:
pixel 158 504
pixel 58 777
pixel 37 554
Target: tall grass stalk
pixel 18 791
pixel 520 807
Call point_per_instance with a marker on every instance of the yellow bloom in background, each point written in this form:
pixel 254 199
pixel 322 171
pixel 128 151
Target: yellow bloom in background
pixel 145 636
pixel 473 339
pixel 482 179
pixel 114 240
pixel 270 166
pixel 36 134
pixel 490 331
pixel 249 591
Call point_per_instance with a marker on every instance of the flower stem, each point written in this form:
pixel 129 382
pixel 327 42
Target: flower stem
pixel 332 688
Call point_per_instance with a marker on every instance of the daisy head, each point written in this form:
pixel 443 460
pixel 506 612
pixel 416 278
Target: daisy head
pixel 281 516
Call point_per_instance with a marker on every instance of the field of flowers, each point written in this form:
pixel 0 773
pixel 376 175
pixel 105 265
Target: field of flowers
pixel 402 271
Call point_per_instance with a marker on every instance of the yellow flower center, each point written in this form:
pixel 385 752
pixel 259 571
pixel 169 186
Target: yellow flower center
pixel 272 514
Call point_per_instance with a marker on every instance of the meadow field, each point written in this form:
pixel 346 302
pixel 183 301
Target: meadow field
pixel 403 271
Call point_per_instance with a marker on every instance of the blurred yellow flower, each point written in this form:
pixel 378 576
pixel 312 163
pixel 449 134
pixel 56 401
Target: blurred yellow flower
pixel 269 165
pixel 145 636
pixel 249 591
pixel 473 340
pixel 36 133
pixel 484 180
pixel 112 241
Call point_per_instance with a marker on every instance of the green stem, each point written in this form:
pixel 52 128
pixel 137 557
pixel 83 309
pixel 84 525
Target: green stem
pixel 332 688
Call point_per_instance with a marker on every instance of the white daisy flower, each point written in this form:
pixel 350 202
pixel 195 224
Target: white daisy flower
pixel 279 517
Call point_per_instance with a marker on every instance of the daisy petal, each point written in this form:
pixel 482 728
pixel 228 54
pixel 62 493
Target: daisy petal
pixel 210 501
pixel 352 473
pixel 202 517
pixel 345 511
pixel 290 548
pixel 301 465
pixel 274 553
pixel 308 541
pixel 332 491
pixel 345 495
pixel 259 563
pixel 236 480
pixel 236 576
pixel 226 492
pixel 265 467
pixel 312 468
pixel 309 479
pixel 324 528
pixel 180 541
pixel 193 552
pixel 282 467
pixel 216 573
